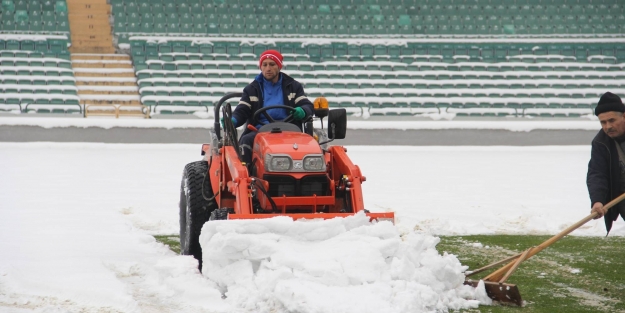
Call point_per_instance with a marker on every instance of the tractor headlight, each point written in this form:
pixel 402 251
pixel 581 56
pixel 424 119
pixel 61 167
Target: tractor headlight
pixel 313 163
pixel 284 163
pixel 278 163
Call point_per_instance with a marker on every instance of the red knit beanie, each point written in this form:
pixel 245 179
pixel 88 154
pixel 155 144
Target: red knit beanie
pixel 271 54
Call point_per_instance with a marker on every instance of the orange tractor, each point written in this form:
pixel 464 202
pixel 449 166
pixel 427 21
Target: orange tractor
pixel 293 173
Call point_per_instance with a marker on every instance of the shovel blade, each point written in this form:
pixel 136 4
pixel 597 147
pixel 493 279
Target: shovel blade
pixel 501 292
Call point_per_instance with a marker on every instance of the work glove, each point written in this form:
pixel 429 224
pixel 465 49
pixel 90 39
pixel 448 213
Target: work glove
pixel 234 121
pixel 299 114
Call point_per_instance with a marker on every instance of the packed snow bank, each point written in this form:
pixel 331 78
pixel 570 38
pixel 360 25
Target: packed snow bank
pixel 338 265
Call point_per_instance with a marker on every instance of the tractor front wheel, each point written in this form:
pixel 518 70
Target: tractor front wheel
pixel 220 214
pixel 196 205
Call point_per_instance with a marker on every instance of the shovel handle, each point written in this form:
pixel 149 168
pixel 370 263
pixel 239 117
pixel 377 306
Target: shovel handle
pixel 515 265
pixel 498 274
pixel 489 266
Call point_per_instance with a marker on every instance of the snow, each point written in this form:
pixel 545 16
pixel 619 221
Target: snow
pixel 107 88
pixel 381 41
pixel 31 37
pixel 33 59
pixel 107 123
pixel 359 100
pixel 376 63
pixel 36 96
pixel 103 61
pixel 105 79
pixel 528 83
pixel 106 97
pixel 38 77
pixel 44 69
pixel 102 70
pixel 77 220
pixel 32 88
pixel 568 75
pixel 339 265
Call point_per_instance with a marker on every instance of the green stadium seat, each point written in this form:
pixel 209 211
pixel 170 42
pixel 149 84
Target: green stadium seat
pixel 303 29
pixel 22 26
pixel 118 26
pixel 160 17
pixel 299 10
pixel 352 29
pixel 586 29
pixel 49 16
pixel 21 5
pixel 212 28
pixel 146 27
pixel 60 6
pixel 324 9
pixel 20 16
pixel 7 6
pixel 404 20
pixel 198 18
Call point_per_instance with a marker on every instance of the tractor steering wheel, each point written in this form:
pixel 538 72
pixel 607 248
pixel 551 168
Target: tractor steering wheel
pixel 263 111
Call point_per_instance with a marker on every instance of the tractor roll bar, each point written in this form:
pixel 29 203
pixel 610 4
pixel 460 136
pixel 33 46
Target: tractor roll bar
pixel 225 98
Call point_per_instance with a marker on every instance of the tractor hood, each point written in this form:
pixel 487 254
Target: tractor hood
pixel 297 145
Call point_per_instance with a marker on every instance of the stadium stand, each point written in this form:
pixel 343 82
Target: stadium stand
pixel 392 76
pixel 389 57
pixel 478 58
pixel 36 75
pixel 56 57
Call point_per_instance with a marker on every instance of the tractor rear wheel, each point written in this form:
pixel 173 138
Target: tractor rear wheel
pixel 195 208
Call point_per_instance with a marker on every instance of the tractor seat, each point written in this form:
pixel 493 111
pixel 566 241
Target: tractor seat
pixel 282 126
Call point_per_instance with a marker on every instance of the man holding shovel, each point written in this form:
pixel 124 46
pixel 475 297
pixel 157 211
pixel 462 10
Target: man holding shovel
pixel 606 186
pixel 606 169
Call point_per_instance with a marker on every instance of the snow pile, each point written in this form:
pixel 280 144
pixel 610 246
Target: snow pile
pixel 338 265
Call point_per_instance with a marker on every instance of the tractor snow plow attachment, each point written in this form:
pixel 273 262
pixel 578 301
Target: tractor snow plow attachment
pixel 293 172
pixel 495 283
pixel 372 216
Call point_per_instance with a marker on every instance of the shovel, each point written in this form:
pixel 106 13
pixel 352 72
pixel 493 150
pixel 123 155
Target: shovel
pixel 495 283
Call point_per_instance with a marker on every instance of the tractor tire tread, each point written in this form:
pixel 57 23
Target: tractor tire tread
pixel 195 210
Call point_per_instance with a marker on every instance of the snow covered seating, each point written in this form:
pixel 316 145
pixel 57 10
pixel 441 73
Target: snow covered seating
pixel 359 49
pixel 552 82
pixel 37 80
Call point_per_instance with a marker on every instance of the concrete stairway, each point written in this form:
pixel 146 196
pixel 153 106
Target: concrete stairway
pixel 89 26
pixel 107 85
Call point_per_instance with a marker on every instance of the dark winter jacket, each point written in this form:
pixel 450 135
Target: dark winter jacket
pixel 252 100
pixel 604 176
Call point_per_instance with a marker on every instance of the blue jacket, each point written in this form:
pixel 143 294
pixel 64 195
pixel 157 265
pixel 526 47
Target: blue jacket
pixel 292 95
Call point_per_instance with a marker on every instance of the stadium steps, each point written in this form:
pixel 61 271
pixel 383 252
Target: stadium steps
pixel 112 92
pixel 89 25
pixel 101 64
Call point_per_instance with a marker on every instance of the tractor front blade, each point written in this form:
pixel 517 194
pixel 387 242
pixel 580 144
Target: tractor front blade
pixel 385 216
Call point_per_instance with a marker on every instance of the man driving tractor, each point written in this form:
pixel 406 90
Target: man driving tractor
pixel 270 88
